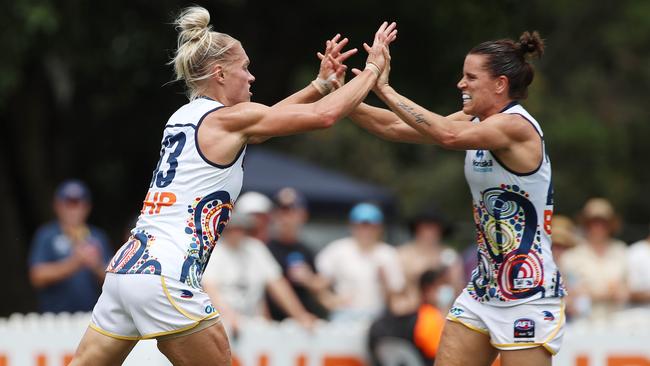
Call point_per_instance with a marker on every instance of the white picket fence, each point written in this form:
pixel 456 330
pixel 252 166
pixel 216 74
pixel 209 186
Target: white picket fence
pixel 50 340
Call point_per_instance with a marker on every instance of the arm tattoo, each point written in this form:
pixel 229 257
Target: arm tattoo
pixel 419 117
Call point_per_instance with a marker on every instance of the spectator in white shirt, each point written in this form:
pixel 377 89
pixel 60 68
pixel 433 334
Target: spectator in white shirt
pixel 599 262
pixel 241 268
pixel 364 271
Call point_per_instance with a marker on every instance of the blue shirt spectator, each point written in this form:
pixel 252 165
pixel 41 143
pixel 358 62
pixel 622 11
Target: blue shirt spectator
pixel 68 257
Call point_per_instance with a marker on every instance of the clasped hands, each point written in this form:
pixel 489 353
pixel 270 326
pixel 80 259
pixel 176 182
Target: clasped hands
pixel 331 74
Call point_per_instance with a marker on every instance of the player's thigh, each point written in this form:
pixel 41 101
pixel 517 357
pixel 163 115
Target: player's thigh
pixel 97 349
pixel 207 347
pixel 537 356
pixel 461 346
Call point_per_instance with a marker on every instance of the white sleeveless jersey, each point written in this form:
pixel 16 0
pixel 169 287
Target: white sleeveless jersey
pixel 187 206
pixel 512 212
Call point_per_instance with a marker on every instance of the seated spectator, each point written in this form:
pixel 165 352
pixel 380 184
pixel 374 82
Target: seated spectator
pixel 259 207
pixel 68 256
pixel 598 263
pixel 639 283
pixel 364 271
pixel 240 270
pixel 427 252
pixel 295 258
pixel 421 329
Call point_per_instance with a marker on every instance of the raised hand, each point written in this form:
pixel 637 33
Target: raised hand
pixel 378 53
pixel 331 74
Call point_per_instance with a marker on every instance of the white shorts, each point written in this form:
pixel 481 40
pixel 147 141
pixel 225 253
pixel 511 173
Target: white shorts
pixel 532 324
pixel 144 306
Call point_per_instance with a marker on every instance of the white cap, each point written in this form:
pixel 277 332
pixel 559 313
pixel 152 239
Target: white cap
pixel 253 202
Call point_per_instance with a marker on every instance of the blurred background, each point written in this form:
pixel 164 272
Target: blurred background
pixel 85 90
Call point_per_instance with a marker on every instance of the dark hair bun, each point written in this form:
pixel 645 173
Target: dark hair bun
pixel 531 44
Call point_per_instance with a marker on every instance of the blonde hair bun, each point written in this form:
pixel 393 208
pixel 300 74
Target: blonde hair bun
pixel 193 23
pixel 199 49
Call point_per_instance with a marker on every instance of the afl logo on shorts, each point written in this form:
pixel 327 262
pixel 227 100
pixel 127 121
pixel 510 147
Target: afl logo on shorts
pixel 524 328
pixel 548 315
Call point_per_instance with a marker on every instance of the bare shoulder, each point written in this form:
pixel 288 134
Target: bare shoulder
pixel 515 125
pixel 237 117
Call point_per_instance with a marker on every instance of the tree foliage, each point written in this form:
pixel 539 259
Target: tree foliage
pixel 84 91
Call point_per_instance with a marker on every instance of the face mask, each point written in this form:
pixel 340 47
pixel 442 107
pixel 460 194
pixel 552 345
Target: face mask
pixel 445 297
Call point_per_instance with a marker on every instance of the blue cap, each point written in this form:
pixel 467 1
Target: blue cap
pixel 366 213
pixel 72 190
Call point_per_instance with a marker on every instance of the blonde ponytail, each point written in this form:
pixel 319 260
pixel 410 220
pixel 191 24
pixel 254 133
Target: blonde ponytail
pixel 199 49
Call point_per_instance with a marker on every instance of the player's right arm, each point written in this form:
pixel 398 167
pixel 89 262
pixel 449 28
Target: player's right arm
pixel 223 133
pixel 252 120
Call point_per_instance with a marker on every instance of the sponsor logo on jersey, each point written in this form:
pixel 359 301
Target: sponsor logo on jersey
pixel 548 315
pixel 155 201
pixel 524 328
pixel 481 165
pixel 186 294
pixel 456 311
pixel 522 283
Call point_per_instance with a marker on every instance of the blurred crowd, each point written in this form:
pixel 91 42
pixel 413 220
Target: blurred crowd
pixel 262 268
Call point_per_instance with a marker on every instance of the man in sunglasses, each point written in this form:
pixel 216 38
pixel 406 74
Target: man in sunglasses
pixel 68 256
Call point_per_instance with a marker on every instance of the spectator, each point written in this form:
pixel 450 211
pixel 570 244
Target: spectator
pixel 259 207
pixel 564 239
pixel 421 329
pixel 68 256
pixel 598 263
pixel 240 270
pixel 364 271
pixel 427 252
pixel 295 258
pixel 563 236
pixel 639 283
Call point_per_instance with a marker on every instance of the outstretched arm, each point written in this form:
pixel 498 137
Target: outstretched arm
pixel 251 119
pixel 386 125
pixel 455 131
pixel 224 132
pixel 378 121
pixel 331 69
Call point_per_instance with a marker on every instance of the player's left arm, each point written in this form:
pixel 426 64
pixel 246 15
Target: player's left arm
pixel 455 132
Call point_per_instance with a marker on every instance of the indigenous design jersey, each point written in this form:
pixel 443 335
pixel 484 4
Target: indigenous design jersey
pixel 187 206
pixel 512 213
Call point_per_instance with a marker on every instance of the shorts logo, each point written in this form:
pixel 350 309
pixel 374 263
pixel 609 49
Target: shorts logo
pixel 210 309
pixel 186 294
pixel 548 315
pixel 455 311
pixel 524 328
